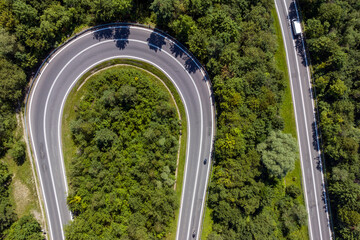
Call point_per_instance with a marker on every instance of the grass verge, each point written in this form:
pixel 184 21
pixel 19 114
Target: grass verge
pixel 69 148
pixel 287 113
pixel 207 224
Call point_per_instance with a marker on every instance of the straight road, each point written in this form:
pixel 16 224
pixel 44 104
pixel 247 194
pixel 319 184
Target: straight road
pixel 68 64
pixel 311 163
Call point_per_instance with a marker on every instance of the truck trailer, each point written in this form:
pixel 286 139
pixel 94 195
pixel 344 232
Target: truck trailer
pixel 296 27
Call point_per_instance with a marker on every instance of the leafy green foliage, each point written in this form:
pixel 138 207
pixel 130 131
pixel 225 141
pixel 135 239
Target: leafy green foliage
pixel 279 152
pixel 236 43
pixel 333 31
pixel 333 36
pixel 25 228
pixel 12 82
pixel 163 9
pixel 8 43
pixel 18 152
pixel 235 40
pixel 12 228
pixel 122 179
pixel 293 215
pixel 7 214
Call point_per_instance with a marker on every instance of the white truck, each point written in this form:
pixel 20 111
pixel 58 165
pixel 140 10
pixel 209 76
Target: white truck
pixel 296 27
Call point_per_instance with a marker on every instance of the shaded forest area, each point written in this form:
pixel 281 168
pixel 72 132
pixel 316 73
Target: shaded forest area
pixel 122 177
pixel 333 38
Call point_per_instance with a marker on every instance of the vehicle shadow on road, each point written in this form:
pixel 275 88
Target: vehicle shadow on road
pixel 299 46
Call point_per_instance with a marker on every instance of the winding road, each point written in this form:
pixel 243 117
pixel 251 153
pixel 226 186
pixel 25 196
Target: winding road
pixel 60 73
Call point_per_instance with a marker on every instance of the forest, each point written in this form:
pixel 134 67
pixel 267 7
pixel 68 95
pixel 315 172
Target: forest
pixel 122 177
pixel 235 40
pixel 333 39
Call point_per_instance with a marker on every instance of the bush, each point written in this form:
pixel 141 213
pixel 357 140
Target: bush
pixel 18 152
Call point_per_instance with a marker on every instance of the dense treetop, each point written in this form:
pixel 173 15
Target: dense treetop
pixel 235 41
pixel 333 37
pixel 122 179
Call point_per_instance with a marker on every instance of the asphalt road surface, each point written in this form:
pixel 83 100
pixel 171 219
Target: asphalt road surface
pixel 68 64
pixel 311 163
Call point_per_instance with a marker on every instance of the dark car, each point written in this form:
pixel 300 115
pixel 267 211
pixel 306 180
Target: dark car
pixel 194 234
pixel 205 161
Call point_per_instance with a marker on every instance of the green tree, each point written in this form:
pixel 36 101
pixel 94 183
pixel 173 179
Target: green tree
pixel 5 179
pixel 12 82
pixel 54 20
pixel 25 13
pixel 314 28
pixel 331 12
pixel 7 214
pixel 279 152
pixel 109 10
pixel 104 138
pixel 163 9
pixel 337 89
pixel 8 44
pixel 293 215
pixel 18 152
pixel 122 182
pixel 184 26
pixel 25 228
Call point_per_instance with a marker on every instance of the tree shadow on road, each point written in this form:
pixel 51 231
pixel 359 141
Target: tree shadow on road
pixel 176 50
pixel 119 34
pixel 190 65
pixel 122 36
pixel 103 34
pixel 156 41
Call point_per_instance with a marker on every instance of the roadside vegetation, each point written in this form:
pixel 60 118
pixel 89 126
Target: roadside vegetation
pixel 248 197
pixel 333 37
pixel 18 198
pixel 126 131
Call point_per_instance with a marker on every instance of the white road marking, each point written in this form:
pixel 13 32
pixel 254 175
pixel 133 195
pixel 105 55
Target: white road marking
pixel 307 135
pixel 309 146
pixel 316 131
pixel 208 168
pixel 297 124
pixel 36 158
pixel 67 93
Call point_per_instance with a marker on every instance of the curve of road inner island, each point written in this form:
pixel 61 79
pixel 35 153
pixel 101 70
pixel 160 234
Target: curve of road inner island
pixel 67 64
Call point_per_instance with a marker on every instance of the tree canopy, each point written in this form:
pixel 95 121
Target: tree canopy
pixel 279 152
pixel 333 35
pixel 236 42
pixel 25 228
pixel 121 181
